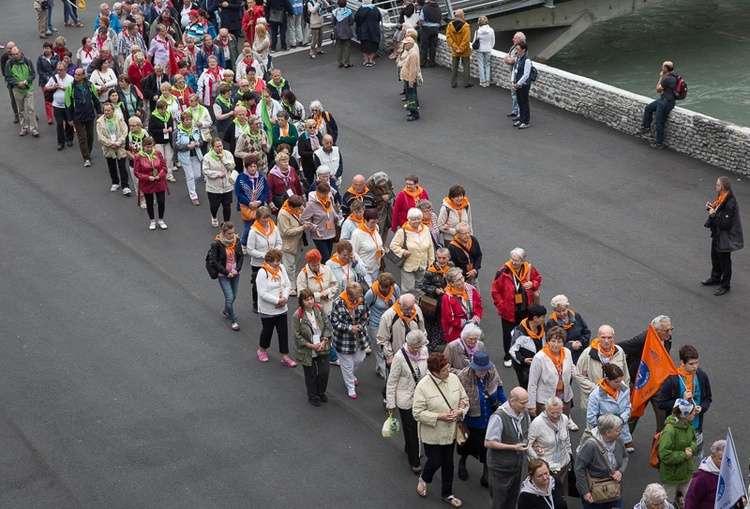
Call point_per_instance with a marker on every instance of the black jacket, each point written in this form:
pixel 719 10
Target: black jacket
pixel 726 226
pixel 150 88
pixel 633 349
pixel 217 256
pixel 459 258
pixel 671 390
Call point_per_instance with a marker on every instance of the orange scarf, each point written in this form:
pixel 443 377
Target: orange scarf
pixel 427 222
pixel 688 378
pixel 558 362
pixel 465 247
pixel 376 290
pixel 464 204
pixel 606 388
pixel 406 226
pixel 326 203
pixel 595 345
pixel 416 195
pixel 349 304
pixel 372 233
pixel 335 258
pixel 464 295
pixel 401 315
pixel 565 326
pixel 318 278
pixel 357 195
pixel 530 333
pixel 432 268
pixel 271 227
pixel 720 199
pixel 275 274
pixel 523 275
pixel 360 222
pixel 295 213
pixel 229 248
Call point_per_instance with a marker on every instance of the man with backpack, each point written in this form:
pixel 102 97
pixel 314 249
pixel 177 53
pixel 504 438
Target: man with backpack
pixel 667 87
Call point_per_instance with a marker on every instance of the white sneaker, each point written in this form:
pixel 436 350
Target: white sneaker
pixel 152 225
pixel 126 191
pixel 508 363
pixel 572 426
pixel 114 188
pixel 87 163
pixel 163 226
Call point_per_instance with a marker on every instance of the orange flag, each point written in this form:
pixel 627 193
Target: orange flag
pixel 656 365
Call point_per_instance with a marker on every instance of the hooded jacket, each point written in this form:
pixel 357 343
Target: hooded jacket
pixel 676 467
pixel 458 35
pixel 531 497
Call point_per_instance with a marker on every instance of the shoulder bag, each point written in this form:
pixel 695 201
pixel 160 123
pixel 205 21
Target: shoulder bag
pixel 607 489
pixel 462 431
pixel 49 93
pixel 396 260
pixel 428 306
pixel 475 44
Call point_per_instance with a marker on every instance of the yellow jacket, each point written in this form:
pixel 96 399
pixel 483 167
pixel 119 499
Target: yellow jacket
pixel 458 35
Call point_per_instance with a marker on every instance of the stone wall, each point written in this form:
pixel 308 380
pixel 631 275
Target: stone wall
pixel 705 138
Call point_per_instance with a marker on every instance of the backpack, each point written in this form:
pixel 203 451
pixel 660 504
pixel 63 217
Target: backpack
pixel 681 89
pixel 653 458
pixel 534 73
pixel 213 272
pixel 306 11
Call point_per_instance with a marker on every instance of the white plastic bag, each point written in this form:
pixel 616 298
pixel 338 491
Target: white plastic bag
pixel 390 426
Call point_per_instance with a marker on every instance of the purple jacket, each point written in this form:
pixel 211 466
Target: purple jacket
pixel 702 491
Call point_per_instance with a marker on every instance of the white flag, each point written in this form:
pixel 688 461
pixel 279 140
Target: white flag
pixel 731 486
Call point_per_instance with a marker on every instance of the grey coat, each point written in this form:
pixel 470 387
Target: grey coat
pixel 589 458
pixel 725 223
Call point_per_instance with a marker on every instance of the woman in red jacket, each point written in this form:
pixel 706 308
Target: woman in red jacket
pixel 150 169
pixel 461 304
pixel 407 199
pixel 515 287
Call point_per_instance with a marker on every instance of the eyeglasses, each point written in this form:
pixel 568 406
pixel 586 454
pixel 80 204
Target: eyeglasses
pixel 669 329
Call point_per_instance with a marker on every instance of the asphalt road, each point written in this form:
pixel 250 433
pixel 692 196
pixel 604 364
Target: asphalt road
pixel 121 385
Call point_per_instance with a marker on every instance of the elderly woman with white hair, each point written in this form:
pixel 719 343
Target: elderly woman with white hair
pixel 324 121
pixel 655 497
pixel 407 369
pixel 576 329
pixel 549 439
pixel 413 243
pixel 461 352
pixel 602 456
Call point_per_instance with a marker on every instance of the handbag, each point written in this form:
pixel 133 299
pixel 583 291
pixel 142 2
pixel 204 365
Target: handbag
pixel 462 431
pixel 572 486
pixel 475 44
pixel 49 93
pixel 420 79
pixel 395 259
pixel 390 426
pixel 536 293
pixel 428 306
pixel 233 177
pixel 247 213
pixel 606 489
pixel 82 5
pixel 276 16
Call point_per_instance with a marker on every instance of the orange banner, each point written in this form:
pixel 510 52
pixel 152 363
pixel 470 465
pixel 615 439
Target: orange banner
pixel 656 365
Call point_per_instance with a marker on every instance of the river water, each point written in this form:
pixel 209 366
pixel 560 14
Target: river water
pixel 708 40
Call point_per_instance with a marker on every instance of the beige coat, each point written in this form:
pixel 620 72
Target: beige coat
pixel 291 232
pixel 428 403
pixel 392 334
pixel 104 138
pixel 410 65
pixel 421 249
pixel 212 170
pixel 329 285
pixel 589 371
pixel 399 390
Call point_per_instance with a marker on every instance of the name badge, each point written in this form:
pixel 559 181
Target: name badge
pixel 329 225
pixel 519 298
pixel 113 136
pixel 289 192
pixel 556 458
pixel 316 339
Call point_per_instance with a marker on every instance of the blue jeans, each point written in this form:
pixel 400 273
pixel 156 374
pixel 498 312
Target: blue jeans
pixel 515 110
pixel 484 62
pixel 325 247
pixel 661 107
pixel 332 355
pixel 246 225
pixel 68 12
pixel 230 286
pixel 49 15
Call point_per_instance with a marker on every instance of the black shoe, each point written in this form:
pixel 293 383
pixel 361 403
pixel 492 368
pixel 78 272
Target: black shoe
pixel 60 146
pixel 469 85
pixel 721 291
pixel 409 119
pixel 323 398
pixel 454 86
pixel 657 146
pixel 69 143
pixel 314 401
pixel 511 114
pixel 710 282
pixel 463 474
pixel 516 119
pixel 341 65
pixel 516 123
pixel 645 130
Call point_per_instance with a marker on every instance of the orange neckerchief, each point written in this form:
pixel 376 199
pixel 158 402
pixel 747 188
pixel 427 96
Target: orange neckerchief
pixel 318 121
pixel 229 248
pixel 533 335
pixel 463 294
pixel 406 226
pixel 373 235
pixel 360 222
pixel 595 345
pixel 434 269
pixel 688 378
pixel 376 290
pixel 606 388
pixel 464 204
pixel 326 203
pixel 427 222
pixel 401 315
pixel 720 199
pixel 357 195
pixel 525 273
pixel 274 273
pixel 271 227
pixel 465 247
pixel 295 213
pixel 318 278
pixel 335 258
pixel 416 195
pixel 349 305
pixel 557 361
pixel 565 326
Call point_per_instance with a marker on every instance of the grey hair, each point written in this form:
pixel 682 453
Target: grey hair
pixel 315 105
pixel 442 250
pixel 323 170
pixel 416 337
pixel 554 402
pixel 461 224
pixel 252 118
pixel 608 422
pixel 654 493
pixel 414 213
pixel 451 274
pixel 406 296
pixel 160 27
pixel 656 322
pixel 424 205
pixel 559 300
pixel 283 114
pixel 519 252
pixel 380 178
pixel 717 447
pixel 521 36
pixel 470 328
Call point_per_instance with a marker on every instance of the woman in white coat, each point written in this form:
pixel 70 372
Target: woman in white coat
pixel 368 244
pixel 273 293
pixel 263 236
pixel 550 374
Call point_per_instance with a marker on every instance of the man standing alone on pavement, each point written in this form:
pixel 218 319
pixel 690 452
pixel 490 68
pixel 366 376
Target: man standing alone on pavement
pixel 726 235
pixel 429 23
pixel 521 78
pixel 458 35
pixel 19 74
pixel 662 106
pixel 510 59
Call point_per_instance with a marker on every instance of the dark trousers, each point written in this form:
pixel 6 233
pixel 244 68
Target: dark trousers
pixel 325 246
pixel 278 29
pixel 721 264
pixel 428 39
pixel 13 101
pixel 661 107
pixel 465 62
pixel 412 100
pixel 278 322
pixel 316 376
pixel 507 335
pixel 160 201
pixel 64 131
pixel 439 456
pixel 223 199
pixel 523 103
pixel 254 277
pixel 411 440
pixel 122 165
pixel 85 133
pixel 504 487
pixel 522 374
pixel 659 415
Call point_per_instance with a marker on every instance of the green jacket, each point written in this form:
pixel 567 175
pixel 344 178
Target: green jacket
pixel 20 71
pixel 302 333
pixel 676 467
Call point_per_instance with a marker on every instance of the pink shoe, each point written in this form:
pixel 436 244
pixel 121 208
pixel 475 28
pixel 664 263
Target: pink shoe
pixel 356 382
pixel 262 356
pixel 353 396
pixel 289 362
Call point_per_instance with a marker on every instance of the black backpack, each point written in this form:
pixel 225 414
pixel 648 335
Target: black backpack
pixel 681 89
pixel 213 272
pixel 306 11
pixel 534 73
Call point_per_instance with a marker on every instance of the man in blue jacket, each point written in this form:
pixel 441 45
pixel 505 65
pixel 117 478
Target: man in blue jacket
pixel 82 109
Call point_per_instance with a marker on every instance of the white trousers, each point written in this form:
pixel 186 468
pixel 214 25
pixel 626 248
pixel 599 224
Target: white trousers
pixel 290 264
pixel 350 363
pixel 168 153
pixel 192 174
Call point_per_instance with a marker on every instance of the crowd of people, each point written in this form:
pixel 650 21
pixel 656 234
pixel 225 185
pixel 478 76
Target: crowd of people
pixel 167 86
